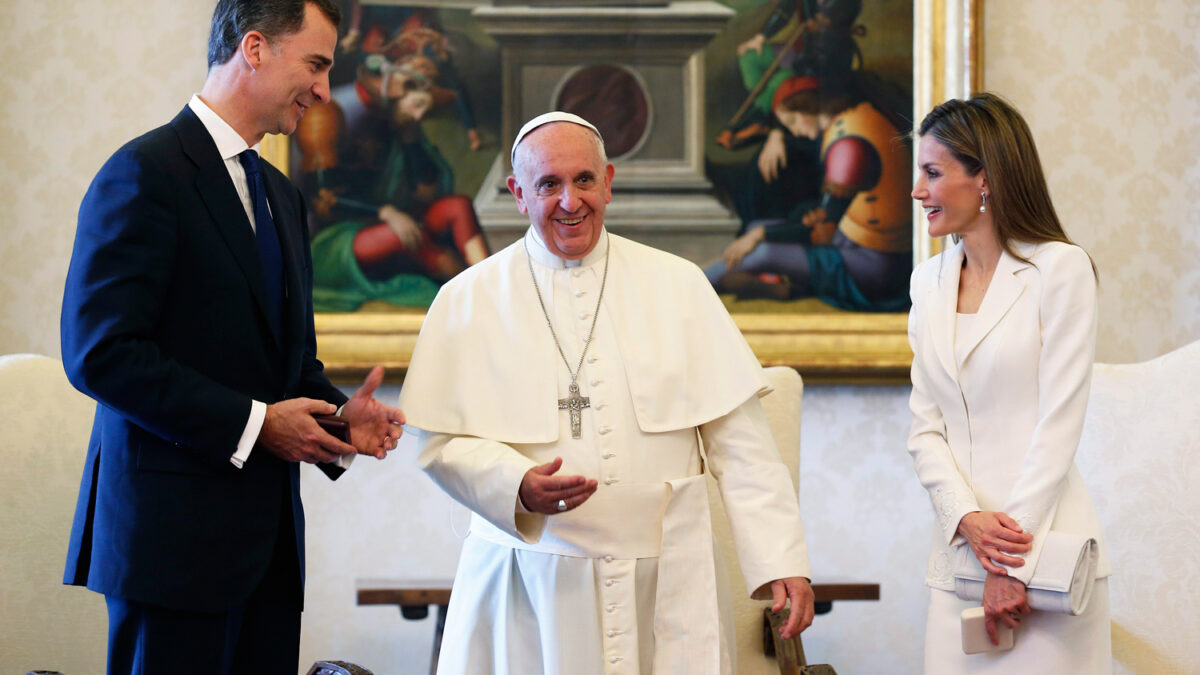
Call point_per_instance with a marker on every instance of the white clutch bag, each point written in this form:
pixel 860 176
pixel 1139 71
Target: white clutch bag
pixel 1062 581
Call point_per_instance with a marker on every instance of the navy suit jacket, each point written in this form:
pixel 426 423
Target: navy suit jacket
pixel 163 323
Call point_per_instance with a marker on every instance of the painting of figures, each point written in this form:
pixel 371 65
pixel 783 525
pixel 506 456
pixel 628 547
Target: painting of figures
pixel 390 214
pixel 805 150
pixel 816 159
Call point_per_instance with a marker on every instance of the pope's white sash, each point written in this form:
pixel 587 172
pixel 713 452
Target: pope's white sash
pixel 620 521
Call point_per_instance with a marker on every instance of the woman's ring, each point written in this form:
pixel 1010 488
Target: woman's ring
pixel 562 505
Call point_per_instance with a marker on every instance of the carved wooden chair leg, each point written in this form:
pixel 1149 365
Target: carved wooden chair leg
pixel 789 653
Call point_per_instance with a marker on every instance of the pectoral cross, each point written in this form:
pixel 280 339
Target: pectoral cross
pixel 575 403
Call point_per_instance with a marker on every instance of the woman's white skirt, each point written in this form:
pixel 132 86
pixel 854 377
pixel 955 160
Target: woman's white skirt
pixel 1045 642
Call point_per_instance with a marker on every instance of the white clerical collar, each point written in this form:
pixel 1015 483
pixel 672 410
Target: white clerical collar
pixel 229 142
pixel 542 255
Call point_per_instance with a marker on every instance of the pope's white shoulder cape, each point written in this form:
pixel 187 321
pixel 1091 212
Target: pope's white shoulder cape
pixel 485 363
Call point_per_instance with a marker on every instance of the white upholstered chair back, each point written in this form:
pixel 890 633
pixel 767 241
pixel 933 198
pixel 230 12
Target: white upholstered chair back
pixel 1140 458
pixel 44 427
pixel 782 407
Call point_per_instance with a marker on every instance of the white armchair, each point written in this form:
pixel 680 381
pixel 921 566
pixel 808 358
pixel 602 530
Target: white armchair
pixel 1140 458
pixel 43 624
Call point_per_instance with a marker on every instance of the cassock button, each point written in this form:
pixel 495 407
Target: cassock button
pixel 592 359
pixel 583 316
pixel 579 294
pixel 610 582
pixel 610 481
pixel 604 430
pixel 612 633
pixel 576 272
pixel 596 382
pixel 608 558
pixel 610 609
pixel 607 455
pixel 614 659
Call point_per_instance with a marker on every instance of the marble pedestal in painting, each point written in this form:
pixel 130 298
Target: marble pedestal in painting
pixel 638 74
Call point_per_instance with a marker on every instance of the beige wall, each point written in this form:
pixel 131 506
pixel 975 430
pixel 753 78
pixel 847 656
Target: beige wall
pixel 80 79
pixel 1110 87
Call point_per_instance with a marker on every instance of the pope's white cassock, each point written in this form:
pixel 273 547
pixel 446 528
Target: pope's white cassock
pixel 626 582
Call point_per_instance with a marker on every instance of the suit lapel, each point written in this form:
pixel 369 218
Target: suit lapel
pixel 217 191
pixel 1003 290
pixel 943 308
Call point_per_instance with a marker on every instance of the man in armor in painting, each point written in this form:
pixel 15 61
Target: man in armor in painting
pixel 389 226
pixel 851 247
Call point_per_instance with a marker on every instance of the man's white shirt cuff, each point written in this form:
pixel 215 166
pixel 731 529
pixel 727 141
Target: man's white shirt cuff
pixel 343 461
pixel 258 413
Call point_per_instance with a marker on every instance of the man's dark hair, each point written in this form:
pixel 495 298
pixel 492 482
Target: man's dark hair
pixel 232 19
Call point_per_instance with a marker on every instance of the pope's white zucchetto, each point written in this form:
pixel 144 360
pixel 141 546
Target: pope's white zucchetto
pixel 547 118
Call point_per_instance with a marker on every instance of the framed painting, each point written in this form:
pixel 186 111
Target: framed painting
pixel 729 123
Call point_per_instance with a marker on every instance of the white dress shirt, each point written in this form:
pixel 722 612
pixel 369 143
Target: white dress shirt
pixel 230 144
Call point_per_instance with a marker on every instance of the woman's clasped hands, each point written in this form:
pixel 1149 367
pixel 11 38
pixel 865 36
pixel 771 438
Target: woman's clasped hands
pixel 994 538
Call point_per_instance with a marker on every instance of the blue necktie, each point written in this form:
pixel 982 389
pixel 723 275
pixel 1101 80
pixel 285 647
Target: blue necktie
pixel 267 240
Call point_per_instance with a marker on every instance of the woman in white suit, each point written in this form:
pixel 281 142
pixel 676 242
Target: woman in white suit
pixel 1003 331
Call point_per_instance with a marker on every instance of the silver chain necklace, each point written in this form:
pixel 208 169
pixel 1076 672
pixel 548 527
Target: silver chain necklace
pixel 574 403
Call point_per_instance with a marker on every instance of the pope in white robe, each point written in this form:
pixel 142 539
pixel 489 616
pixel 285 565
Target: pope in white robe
pixel 590 548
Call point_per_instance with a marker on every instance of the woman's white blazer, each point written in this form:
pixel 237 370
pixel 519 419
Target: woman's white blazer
pixel 998 430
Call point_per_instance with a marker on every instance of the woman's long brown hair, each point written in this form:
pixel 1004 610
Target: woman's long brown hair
pixel 986 133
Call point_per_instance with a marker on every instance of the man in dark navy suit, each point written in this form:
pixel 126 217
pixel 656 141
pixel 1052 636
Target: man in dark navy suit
pixel 188 316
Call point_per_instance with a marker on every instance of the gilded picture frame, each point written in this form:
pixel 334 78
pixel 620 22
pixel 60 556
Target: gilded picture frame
pixel 840 347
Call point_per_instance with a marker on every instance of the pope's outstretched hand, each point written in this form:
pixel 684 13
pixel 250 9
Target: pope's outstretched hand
pixel 541 491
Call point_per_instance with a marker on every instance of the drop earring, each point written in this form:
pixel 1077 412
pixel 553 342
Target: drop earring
pixel 983 206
